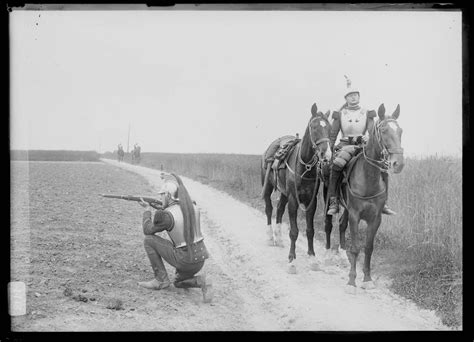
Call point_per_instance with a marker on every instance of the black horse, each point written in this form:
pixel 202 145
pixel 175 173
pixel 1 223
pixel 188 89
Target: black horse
pixel 298 182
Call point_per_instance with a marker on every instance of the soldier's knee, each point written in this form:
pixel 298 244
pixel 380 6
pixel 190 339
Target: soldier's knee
pixel 338 164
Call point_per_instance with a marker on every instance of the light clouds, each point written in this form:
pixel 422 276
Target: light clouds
pixel 227 81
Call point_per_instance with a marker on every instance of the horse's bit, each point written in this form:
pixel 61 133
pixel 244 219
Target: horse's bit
pixel 384 163
pixel 315 144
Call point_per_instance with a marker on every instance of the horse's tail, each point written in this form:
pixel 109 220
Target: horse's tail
pixel 262 169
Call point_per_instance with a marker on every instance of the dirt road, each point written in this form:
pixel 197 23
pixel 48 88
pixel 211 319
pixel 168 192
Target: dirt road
pixel 276 300
pixel 253 291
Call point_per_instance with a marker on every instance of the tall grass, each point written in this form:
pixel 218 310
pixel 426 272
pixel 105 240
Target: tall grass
pixel 425 238
pixel 428 196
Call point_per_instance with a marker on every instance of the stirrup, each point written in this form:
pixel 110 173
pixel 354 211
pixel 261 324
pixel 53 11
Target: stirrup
pixel 333 207
pixel 333 211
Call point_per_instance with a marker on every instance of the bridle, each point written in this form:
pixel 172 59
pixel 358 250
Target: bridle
pixel 312 163
pixel 315 144
pixel 384 163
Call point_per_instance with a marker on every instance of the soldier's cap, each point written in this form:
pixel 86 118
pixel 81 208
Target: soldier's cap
pixel 170 185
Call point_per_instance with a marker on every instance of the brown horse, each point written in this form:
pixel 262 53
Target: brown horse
pixel 365 194
pixel 298 182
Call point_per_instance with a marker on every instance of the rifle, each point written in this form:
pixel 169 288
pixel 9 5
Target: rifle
pixel 154 202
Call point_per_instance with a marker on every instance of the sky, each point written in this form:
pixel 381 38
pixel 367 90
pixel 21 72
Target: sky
pixel 185 81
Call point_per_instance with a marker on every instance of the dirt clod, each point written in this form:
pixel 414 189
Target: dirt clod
pixel 115 304
pixel 80 298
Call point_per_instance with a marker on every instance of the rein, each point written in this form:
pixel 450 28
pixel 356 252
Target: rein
pixel 382 164
pixel 308 167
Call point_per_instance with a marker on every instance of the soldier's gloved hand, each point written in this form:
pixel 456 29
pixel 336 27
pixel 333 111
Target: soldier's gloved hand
pixel 165 200
pixel 362 139
pixel 144 204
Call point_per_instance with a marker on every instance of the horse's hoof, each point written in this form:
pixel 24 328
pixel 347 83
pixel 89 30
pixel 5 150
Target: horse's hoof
pixel 343 261
pixel 351 289
pixel 368 285
pixel 270 243
pixel 279 243
pixel 292 269
pixel 315 267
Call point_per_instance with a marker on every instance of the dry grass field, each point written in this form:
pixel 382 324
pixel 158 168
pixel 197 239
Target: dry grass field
pixel 81 256
pixel 54 155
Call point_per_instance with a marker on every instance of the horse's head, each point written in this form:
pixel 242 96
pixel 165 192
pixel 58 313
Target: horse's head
pixel 389 136
pixel 319 129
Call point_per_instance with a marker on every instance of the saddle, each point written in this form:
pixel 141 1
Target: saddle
pixel 280 149
pixel 283 158
pixel 285 153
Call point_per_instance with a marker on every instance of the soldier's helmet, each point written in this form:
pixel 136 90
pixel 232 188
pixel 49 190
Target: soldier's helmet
pixel 170 185
pixel 350 88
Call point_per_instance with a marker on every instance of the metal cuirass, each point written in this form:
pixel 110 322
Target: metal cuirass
pixel 176 233
pixel 353 122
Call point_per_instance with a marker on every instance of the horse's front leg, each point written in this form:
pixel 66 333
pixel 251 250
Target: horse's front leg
pixel 353 251
pixel 327 218
pixel 292 213
pixel 343 221
pixel 372 228
pixel 310 222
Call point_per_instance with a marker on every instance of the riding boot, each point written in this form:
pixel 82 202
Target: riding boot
pixel 386 210
pixel 200 281
pixel 333 182
pixel 267 175
pixel 187 283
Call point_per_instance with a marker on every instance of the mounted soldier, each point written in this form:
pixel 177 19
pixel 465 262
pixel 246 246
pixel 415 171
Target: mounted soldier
pixel 354 122
pixel 120 152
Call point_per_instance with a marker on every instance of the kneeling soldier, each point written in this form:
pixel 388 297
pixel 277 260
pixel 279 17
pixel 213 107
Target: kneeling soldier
pixel 187 252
